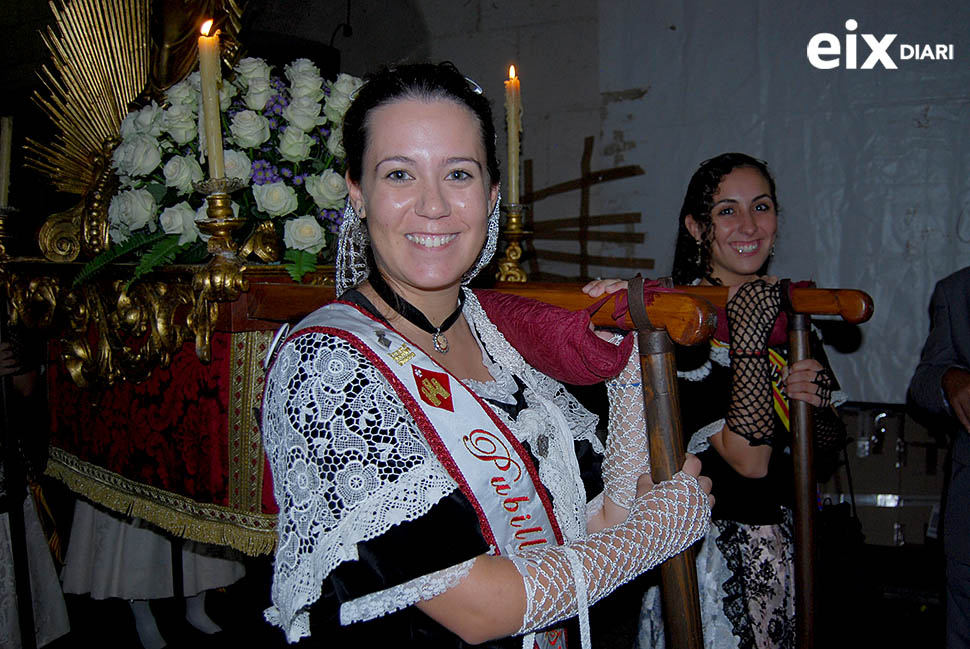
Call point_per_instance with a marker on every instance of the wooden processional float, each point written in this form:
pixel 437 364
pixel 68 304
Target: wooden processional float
pixel 686 315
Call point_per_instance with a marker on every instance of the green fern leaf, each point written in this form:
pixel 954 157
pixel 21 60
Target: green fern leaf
pixel 114 253
pixel 163 252
pixel 301 263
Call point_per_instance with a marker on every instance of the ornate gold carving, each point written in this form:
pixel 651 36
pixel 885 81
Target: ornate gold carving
pixel 221 280
pixel 94 219
pixel 60 236
pixel 34 299
pixel 135 331
pixel 83 228
pixel 508 267
pixel 264 242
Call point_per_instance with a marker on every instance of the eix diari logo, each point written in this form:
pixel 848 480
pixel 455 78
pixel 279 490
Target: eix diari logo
pixel 825 50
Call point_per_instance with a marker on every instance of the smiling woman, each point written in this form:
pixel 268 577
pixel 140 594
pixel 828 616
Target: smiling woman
pixel 427 476
pixel 737 390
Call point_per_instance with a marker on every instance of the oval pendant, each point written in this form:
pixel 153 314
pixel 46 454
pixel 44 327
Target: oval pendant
pixel 440 343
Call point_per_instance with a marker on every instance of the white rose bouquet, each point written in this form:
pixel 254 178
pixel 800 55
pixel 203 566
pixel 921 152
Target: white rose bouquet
pixel 282 139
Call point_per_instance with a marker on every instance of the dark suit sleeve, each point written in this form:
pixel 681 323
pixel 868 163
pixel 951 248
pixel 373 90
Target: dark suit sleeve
pixel 939 354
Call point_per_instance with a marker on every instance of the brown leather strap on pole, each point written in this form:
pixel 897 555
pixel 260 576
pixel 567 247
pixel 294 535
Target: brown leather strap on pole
pixel 678 575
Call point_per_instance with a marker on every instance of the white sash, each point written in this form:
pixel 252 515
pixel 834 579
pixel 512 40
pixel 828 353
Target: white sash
pixel 492 469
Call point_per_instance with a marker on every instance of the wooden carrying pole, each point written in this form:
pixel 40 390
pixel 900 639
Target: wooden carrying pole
pixel 802 418
pixel 678 575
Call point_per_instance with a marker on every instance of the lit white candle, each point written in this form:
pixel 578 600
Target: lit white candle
pixel 211 73
pixel 513 123
pixel 6 139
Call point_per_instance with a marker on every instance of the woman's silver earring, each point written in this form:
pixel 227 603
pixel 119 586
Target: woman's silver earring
pixel 771 253
pixel 352 242
pixel 700 253
pixel 491 241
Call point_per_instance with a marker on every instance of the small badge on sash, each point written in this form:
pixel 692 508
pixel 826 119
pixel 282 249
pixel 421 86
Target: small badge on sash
pixel 402 355
pixel 434 388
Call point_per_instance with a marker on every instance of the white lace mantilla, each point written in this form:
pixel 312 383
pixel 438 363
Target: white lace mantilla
pixel 349 462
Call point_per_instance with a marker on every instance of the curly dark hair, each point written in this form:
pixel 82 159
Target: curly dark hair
pixel 698 202
pixel 426 81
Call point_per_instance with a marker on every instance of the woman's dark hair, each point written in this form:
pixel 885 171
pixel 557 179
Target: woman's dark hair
pixel 425 81
pixel 688 264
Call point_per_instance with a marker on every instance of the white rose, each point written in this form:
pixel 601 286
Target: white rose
pixel 147 121
pixel 195 81
pixel 329 189
pixel 137 155
pixel 183 94
pixel 180 123
pixel 303 233
pixel 295 144
pixel 275 199
pixel 346 84
pixel 251 68
pixel 336 107
pixel 304 113
pixel 249 129
pixel 238 165
pixel 305 89
pixel 301 69
pixel 226 92
pixel 180 220
pixel 305 80
pixel 258 94
pixel 335 144
pixel 181 172
pixel 130 211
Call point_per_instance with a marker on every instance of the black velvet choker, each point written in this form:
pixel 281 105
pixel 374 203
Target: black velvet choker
pixel 410 313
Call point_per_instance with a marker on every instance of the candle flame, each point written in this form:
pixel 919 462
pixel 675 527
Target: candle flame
pixel 206 27
pixel 511 72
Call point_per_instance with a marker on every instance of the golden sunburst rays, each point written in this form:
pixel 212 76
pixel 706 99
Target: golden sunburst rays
pixel 100 54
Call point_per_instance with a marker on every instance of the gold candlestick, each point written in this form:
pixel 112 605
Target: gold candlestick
pixel 514 231
pixel 221 223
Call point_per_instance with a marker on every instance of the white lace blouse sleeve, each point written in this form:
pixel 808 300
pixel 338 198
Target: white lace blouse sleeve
pixel 348 464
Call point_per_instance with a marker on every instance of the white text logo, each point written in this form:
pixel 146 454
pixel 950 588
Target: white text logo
pixel 825 51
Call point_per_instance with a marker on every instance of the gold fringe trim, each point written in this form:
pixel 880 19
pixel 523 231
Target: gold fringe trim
pixel 252 534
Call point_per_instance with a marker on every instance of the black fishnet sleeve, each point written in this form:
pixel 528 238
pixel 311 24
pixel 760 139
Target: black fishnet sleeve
pixel 751 315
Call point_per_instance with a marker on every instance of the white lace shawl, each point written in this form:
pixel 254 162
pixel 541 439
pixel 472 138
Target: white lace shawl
pixel 349 463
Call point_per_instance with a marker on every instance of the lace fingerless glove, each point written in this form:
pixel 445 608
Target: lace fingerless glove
pixel 563 580
pixel 627 453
